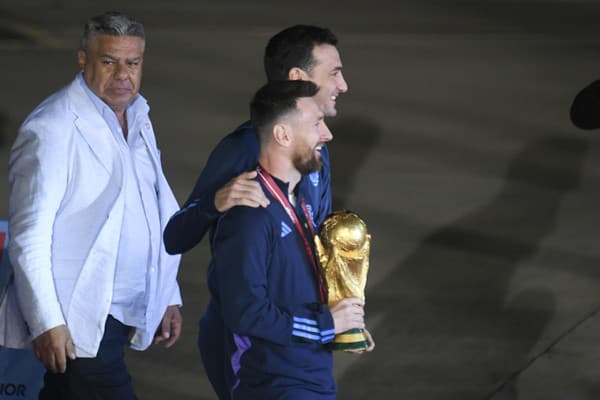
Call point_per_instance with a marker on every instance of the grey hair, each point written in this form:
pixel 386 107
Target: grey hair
pixel 111 23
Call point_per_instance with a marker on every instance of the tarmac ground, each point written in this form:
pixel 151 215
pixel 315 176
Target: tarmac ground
pixel 453 143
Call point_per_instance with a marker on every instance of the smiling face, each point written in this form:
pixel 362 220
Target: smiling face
pixel 112 68
pixel 310 134
pixel 327 74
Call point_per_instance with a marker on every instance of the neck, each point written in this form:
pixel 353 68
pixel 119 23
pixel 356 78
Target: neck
pixel 280 167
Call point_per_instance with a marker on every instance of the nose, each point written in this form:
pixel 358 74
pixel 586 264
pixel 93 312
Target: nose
pixel 326 134
pixel 342 85
pixel 120 70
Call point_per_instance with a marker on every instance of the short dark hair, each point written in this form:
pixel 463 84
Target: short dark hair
pixel 275 100
pixel 293 47
pixel 112 23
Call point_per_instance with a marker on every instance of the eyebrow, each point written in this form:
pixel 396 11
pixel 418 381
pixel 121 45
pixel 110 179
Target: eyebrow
pixel 116 58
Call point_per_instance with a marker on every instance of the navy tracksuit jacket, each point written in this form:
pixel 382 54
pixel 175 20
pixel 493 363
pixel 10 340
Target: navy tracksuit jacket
pixel 264 285
pixel 236 153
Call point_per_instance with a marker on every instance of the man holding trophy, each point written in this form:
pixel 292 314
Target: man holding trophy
pixel 265 275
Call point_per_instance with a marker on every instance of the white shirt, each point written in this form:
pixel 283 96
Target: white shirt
pixel 136 263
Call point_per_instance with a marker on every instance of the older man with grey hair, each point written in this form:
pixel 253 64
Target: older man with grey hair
pixel 88 204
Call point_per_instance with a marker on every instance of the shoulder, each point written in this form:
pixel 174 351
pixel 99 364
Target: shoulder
pixel 51 122
pixel 241 229
pixel 55 107
pixel 235 153
pixel 249 219
pixel 248 222
pixel 56 110
pixel 244 133
pixel 242 140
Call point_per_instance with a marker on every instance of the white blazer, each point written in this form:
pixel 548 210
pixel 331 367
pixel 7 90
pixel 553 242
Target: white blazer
pixel 65 215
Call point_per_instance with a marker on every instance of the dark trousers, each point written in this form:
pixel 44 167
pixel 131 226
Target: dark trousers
pixel 104 377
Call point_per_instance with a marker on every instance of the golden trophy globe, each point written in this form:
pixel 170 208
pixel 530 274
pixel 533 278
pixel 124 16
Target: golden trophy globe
pixel 343 245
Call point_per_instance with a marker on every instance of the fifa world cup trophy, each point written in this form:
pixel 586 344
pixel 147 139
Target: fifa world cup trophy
pixel 343 245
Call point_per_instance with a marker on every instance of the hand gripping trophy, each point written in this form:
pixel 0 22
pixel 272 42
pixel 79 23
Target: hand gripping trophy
pixel 343 245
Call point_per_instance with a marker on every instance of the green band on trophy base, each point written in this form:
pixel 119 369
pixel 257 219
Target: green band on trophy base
pixel 353 339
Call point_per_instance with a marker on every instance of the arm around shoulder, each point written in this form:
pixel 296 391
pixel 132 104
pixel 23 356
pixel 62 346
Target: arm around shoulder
pixel 236 153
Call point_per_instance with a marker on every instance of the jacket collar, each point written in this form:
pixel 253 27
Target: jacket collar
pixel 90 124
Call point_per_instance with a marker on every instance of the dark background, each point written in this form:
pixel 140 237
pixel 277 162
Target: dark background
pixel 453 143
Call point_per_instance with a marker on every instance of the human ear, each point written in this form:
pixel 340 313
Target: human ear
pixel 297 74
pixel 81 58
pixel 281 134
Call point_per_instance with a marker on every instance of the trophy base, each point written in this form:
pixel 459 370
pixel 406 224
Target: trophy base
pixel 353 339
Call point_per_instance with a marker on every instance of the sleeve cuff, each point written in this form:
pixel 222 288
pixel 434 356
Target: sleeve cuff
pixel 36 328
pixel 176 299
pixel 316 328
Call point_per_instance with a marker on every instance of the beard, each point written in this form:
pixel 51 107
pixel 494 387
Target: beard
pixel 307 165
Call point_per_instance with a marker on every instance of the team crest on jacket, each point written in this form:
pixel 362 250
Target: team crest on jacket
pixel 285 229
pixel 314 178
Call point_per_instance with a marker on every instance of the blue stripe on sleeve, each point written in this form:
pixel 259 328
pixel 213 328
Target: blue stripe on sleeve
pixel 305 321
pixel 327 339
pixel 308 328
pixel 306 335
pixel 328 332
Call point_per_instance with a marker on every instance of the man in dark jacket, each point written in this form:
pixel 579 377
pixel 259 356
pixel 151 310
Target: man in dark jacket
pixel 277 321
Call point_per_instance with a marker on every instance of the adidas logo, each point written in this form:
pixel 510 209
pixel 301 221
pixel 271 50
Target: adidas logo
pixel 285 229
pixel 314 178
